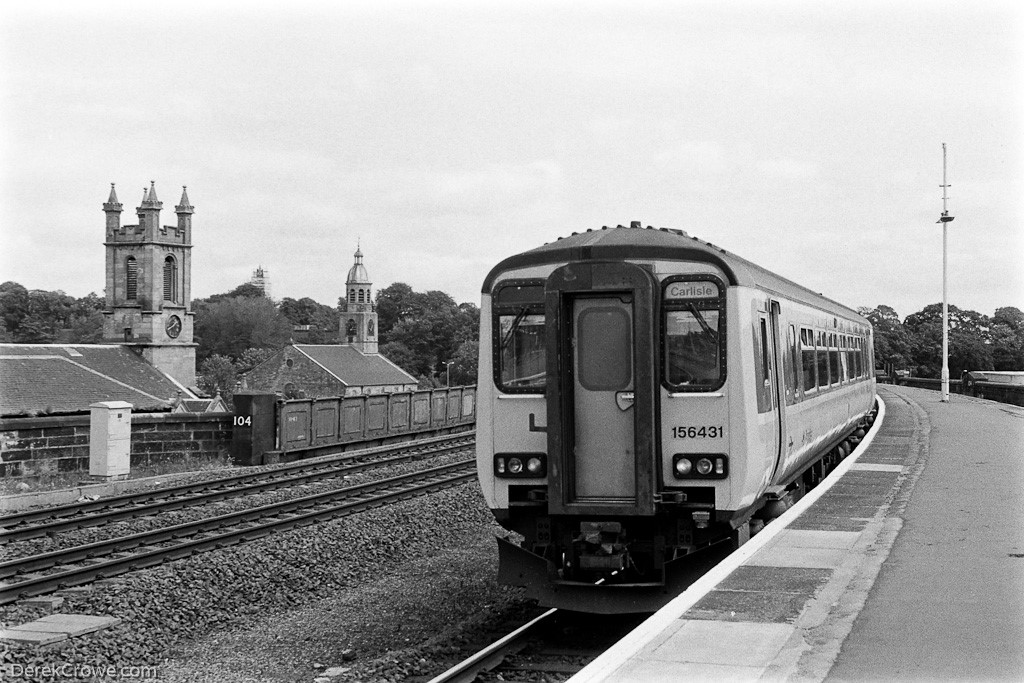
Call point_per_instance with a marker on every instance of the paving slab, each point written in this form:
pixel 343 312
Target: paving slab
pixel 17 635
pixel 76 621
pixel 745 644
pixel 65 625
pixel 48 601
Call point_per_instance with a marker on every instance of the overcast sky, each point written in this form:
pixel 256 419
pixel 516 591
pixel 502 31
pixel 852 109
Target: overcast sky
pixel 445 136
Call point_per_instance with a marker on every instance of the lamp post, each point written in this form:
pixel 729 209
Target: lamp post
pixel 448 372
pixel 944 219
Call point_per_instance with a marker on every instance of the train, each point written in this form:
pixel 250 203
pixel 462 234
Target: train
pixel 645 402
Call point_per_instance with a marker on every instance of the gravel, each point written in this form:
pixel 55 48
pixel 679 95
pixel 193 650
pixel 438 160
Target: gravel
pixel 346 595
pixel 77 537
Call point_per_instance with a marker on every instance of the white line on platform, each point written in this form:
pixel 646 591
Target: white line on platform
pixel 604 666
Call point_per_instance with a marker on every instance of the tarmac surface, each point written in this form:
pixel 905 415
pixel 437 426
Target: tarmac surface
pixel 907 566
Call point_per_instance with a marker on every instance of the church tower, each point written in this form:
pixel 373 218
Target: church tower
pixel 358 325
pixel 148 287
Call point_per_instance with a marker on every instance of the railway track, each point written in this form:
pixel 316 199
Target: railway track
pixel 550 647
pixel 49 521
pixel 41 574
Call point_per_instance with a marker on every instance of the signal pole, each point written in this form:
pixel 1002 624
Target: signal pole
pixel 944 219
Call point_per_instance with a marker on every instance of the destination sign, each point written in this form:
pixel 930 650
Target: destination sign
pixel 699 289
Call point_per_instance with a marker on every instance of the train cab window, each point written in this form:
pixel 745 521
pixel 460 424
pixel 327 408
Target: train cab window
pixel 519 339
pixel 807 361
pixel 693 331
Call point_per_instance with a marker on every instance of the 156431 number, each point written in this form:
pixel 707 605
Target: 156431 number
pixel 698 432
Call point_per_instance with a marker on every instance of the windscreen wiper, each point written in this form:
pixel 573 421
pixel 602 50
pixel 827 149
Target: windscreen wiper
pixel 515 326
pixel 705 328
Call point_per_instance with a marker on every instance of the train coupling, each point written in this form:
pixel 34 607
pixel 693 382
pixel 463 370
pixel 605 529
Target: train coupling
pixel 601 547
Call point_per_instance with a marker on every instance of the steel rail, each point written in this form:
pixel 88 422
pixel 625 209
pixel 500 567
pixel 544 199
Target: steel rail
pixel 114 509
pixel 376 494
pixel 466 670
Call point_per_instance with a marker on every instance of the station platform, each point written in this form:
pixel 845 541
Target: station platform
pixel 909 567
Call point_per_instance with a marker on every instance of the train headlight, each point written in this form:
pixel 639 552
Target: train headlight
pixel 700 466
pixel 520 465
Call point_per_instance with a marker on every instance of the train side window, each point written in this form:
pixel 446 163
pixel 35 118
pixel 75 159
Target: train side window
pixel 844 370
pixel 807 364
pixel 765 393
pixel 851 364
pixel 856 354
pixel 789 366
pixel 821 358
pixel 519 340
pixel 833 359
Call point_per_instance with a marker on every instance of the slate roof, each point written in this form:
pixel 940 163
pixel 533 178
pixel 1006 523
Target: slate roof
pixel 353 367
pixel 66 378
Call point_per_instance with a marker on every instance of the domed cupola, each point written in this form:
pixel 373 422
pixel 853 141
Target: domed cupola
pixel 358 313
pixel 357 273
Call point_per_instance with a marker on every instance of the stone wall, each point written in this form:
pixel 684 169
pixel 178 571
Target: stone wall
pixel 36 447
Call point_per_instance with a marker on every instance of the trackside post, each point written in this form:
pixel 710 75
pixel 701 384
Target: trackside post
pixel 254 426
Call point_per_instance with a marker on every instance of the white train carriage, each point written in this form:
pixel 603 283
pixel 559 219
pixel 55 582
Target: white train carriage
pixel 644 399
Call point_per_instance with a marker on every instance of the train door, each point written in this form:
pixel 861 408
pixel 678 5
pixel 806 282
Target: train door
pixel 601 389
pixel 771 392
pixel 604 431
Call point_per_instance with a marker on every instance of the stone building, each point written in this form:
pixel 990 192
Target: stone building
pixel 350 368
pixel 148 285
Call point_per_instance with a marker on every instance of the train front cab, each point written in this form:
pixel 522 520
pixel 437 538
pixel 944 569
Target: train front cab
pixel 583 361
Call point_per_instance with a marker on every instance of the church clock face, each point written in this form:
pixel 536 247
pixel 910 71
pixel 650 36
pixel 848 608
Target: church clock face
pixel 173 326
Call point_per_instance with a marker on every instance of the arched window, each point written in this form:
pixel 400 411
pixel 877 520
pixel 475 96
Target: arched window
pixel 360 296
pixel 170 279
pixel 350 328
pixel 352 295
pixel 369 327
pixel 131 278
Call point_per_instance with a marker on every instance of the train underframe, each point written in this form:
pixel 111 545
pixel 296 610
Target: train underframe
pixel 636 564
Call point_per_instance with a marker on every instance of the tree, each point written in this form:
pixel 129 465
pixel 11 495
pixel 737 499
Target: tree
pixel 969 347
pixel 14 306
pixel 394 302
pixel 228 327
pixel 424 329
pixel 464 369
pixel 246 290
pixel 217 374
pixel 323 320
pixel 892 343
pixel 1007 334
pixel 86 320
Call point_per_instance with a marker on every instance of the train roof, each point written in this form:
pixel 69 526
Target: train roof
pixel 664 244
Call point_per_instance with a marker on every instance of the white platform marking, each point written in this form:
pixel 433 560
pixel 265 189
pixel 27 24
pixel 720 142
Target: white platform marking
pixel 873 467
